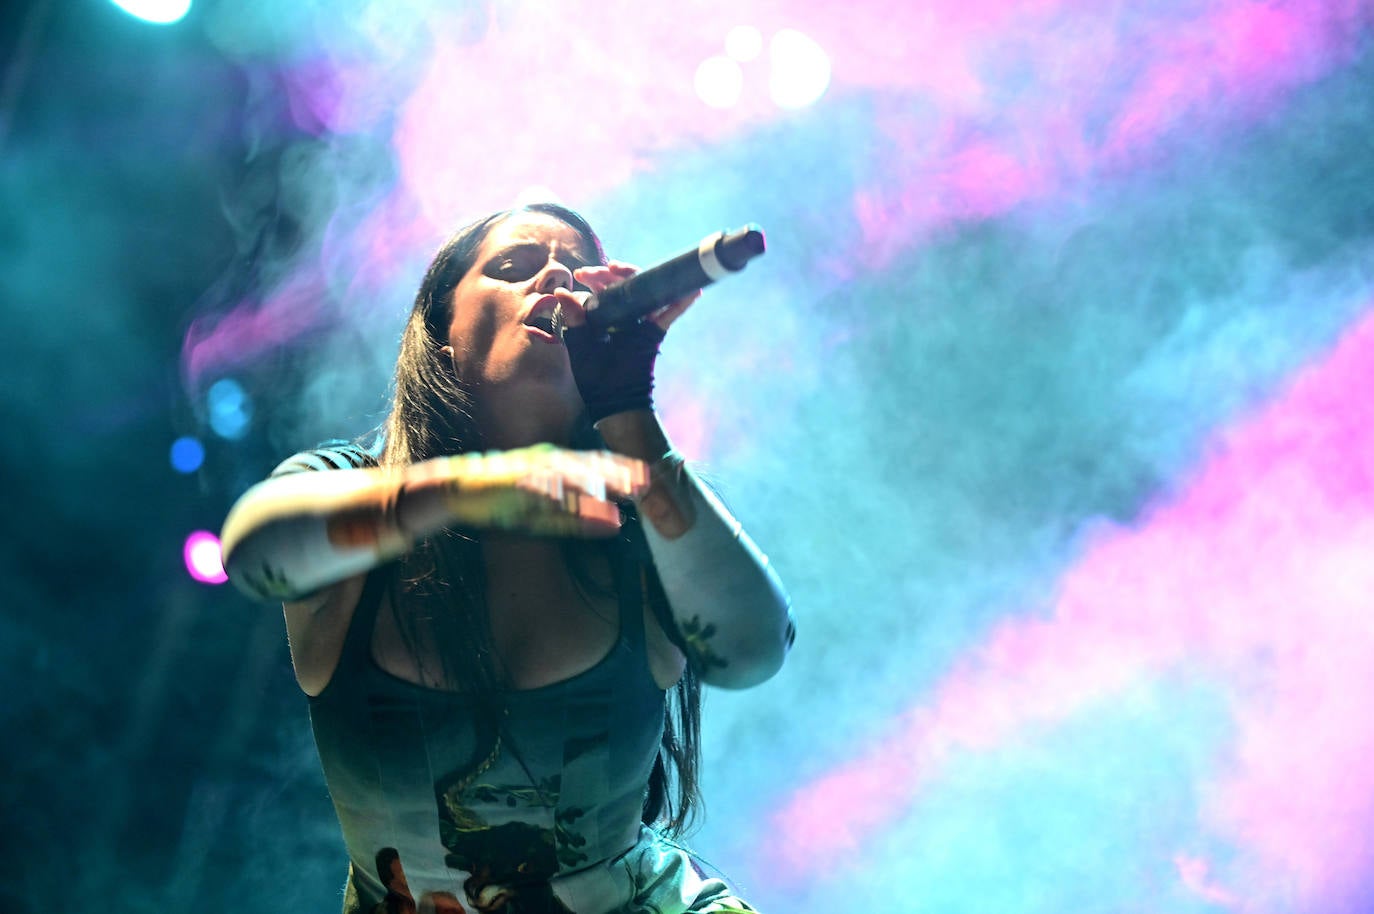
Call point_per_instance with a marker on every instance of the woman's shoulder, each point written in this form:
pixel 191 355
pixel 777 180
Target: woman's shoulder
pixel 317 625
pixel 331 455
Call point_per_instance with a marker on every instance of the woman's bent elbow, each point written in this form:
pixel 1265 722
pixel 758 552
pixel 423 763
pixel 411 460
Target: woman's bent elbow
pixel 753 663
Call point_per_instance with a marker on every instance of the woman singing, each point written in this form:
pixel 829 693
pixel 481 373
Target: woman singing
pixel 502 606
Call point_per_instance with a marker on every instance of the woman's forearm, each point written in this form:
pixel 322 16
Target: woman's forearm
pixel 291 535
pixel 728 603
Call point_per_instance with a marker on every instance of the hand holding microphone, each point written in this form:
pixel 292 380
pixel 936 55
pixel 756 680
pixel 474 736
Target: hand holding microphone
pixel 612 350
pixel 638 294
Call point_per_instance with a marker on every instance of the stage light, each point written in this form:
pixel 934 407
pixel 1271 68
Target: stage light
pixel 159 12
pixel 229 408
pixel 536 193
pixel 744 43
pixel 800 69
pixel 187 454
pixel 204 560
pixel 719 81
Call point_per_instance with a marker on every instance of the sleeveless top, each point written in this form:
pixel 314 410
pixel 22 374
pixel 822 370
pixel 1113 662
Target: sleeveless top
pixel 544 816
pixel 475 814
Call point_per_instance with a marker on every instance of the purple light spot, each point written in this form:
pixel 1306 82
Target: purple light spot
pixel 204 561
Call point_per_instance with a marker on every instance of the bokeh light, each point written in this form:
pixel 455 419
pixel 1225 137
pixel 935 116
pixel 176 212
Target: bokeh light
pixel 229 408
pixel 800 69
pixel 158 12
pixel 719 81
pixel 536 193
pixel 203 558
pixel 187 454
pixel 744 43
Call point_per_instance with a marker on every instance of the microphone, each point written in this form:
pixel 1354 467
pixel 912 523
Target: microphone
pixel 716 257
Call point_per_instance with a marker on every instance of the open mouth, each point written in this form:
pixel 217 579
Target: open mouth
pixel 543 322
pixel 544 317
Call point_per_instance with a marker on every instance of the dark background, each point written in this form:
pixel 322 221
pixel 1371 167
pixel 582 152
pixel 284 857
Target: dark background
pixel 151 723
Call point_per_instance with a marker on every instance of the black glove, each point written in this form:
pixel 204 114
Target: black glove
pixel 614 368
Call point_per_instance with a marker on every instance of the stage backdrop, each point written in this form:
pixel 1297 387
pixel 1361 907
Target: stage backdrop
pixel 1052 400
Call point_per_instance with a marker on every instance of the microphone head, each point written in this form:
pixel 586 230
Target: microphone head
pixel 739 247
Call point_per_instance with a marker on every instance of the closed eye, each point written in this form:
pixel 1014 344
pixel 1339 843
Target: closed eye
pixel 515 265
pixel 522 261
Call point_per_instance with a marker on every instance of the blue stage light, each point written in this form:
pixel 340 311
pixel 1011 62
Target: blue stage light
pixel 187 454
pixel 229 407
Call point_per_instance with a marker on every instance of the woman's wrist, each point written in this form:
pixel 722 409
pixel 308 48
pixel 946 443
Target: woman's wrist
pixel 665 503
pixel 635 433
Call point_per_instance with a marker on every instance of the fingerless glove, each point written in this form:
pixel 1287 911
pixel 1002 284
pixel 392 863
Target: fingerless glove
pixel 614 369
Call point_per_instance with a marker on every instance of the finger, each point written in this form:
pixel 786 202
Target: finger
pixel 598 518
pixel 572 307
pixel 583 477
pixel 598 276
pixel 616 476
pixel 553 510
pixel 630 477
pixel 601 474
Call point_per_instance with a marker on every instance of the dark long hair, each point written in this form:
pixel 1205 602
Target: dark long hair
pixel 443 577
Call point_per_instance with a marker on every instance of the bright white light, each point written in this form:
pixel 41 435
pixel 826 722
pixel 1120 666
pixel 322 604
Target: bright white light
pixel 800 69
pixel 162 12
pixel 536 193
pixel 719 82
pixel 744 42
pixel 204 560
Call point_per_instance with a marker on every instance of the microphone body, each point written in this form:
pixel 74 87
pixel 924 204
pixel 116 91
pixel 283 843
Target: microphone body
pixel 717 256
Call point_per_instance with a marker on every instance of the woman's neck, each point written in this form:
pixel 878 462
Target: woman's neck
pixel 507 422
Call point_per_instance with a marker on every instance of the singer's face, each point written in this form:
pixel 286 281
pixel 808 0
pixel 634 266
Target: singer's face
pixel 501 332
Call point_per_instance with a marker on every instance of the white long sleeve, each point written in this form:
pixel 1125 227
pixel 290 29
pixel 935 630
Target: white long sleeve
pixel 727 600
